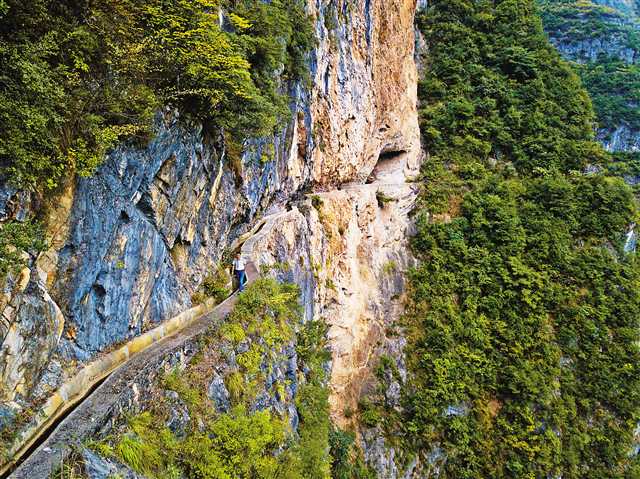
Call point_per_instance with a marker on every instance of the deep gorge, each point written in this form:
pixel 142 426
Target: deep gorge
pixel 424 188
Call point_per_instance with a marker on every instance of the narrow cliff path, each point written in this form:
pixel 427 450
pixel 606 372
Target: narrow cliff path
pixel 101 392
pixel 90 411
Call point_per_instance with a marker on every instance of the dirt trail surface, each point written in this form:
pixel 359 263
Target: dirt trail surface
pixel 94 411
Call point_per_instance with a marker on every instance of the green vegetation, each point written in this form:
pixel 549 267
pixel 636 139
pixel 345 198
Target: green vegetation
pixel 240 443
pixel 390 268
pixel 333 452
pixel 383 199
pixel 214 285
pixel 317 203
pixel 312 349
pixel 626 165
pixel 71 468
pixel 614 87
pixel 269 311
pixel 268 154
pixel 612 83
pixel 283 266
pixel 313 447
pixel 312 402
pixel 577 20
pixel 15 238
pixel 522 322
pixel 80 76
pixel 347 460
pixel 236 444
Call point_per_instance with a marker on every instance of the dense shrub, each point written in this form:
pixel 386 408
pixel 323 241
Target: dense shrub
pixel 16 238
pixel 522 322
pixel 214 285
pixel 347 459
pixel 78 76
pixel 242 443
pixel 613 84
pixel 615 89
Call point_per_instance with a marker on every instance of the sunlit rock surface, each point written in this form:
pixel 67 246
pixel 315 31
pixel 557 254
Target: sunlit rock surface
pixel 131 244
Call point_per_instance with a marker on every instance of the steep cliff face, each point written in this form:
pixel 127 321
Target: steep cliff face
pixel 603 38
pixel 364 100
pixel 352 250
pixel 613 32
pixel 129 245
pixel 368 141
pixel 622 138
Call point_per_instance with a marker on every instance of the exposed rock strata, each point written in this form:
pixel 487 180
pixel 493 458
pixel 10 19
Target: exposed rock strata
pixel 349 252
pixel 368 141
pixel 623 138
pixel 130 244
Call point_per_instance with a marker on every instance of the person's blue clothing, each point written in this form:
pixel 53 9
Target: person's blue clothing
pixel 242 278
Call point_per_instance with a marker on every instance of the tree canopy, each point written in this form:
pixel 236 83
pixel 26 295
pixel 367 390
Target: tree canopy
pixel 78 76
pixel 522 320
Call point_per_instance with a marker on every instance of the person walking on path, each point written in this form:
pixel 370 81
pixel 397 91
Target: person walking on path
pixel 238 269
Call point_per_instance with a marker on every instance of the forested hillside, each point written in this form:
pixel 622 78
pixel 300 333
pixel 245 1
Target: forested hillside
pixel 522 322
pixel 602 39
pixel 80 76
pixel 439 282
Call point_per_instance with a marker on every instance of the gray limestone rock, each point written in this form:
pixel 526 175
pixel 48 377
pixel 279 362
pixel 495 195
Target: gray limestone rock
pixel 622 138
pixel 35 328
pixel 178 414
pixel 218 393
pixel 97 467
pixel 7 417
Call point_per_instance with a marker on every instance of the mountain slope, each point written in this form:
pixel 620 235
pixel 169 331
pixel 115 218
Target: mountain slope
pixel 522 320
pixel 476 319
pixel 602 37
pixel 323 197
